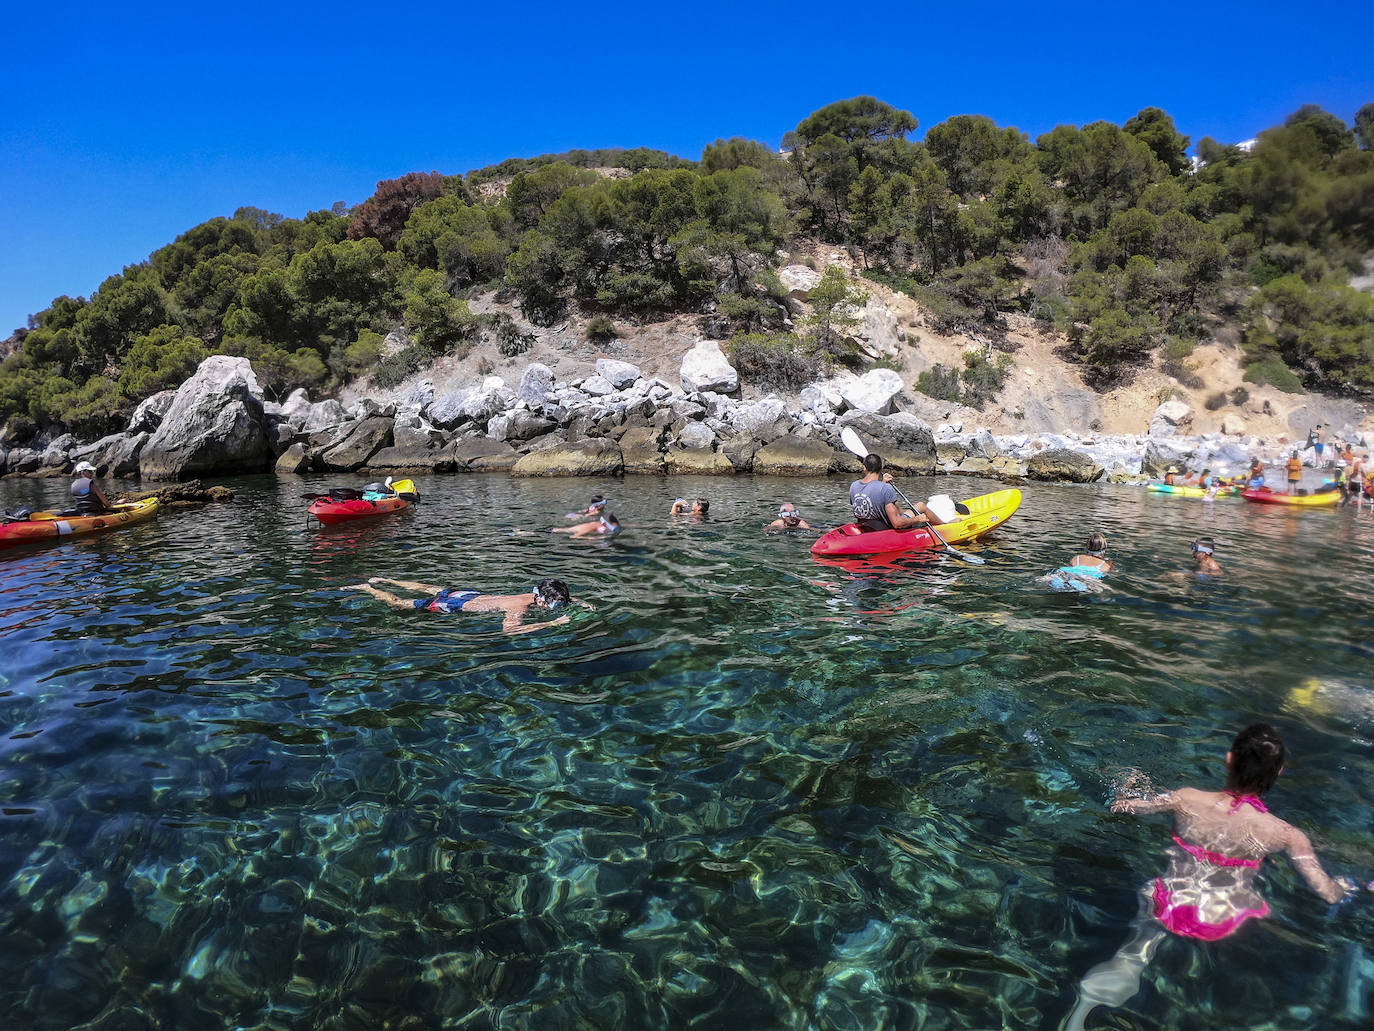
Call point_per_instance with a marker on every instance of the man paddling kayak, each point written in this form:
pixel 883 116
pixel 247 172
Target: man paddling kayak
pixel 874 500
pixel 547 595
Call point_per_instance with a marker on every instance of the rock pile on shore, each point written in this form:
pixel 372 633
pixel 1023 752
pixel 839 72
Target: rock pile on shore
pixel 616 421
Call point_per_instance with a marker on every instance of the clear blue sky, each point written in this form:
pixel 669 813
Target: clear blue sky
pixel 123 126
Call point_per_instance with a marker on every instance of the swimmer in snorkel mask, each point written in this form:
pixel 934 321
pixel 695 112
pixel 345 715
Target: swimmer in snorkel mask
pixel 789 518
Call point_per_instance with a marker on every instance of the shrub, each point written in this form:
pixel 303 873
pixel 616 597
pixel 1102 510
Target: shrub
pixel 940 383
pixel 1239 396
pixel 509 340
pixel 392 369
pixel 1217 400
pixel 1271 371
pixel 983 379
pixel 778 360
pixel 601 329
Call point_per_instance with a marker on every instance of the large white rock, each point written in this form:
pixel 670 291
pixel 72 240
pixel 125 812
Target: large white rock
pixel 758 417
pixel 705 367
pixel 874 391
pixel 1233 425
pixel 597 386
pixel 148 415
pixel 1171 418
pixel 214 425
pixel 619 374
pixel 536 385
pixel 696 435
pixel 798 280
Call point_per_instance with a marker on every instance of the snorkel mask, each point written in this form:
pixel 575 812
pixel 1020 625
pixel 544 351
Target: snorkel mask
pixel 789 515
pixel 548 594
pixel 1201 549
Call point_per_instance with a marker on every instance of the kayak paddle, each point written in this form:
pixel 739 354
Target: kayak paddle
pixel 854 444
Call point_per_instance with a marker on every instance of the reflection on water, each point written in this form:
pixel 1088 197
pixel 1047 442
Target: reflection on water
pixel 748 791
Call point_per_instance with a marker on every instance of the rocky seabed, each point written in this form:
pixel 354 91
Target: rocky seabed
pixel 614 422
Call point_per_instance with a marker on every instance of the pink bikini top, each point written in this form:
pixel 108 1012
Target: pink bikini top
pixel 1216 858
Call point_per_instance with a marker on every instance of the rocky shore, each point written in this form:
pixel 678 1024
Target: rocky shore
pixel 614 422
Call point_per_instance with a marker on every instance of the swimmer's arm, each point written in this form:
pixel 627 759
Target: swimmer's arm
pixel 514 623
pixel 1305 861
pixel 1160 803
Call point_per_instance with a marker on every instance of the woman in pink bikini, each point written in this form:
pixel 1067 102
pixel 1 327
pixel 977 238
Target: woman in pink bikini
pixel 1208 890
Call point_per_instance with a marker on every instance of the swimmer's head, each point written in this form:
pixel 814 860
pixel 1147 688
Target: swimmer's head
pixel 789 514
pixel 1255 760
pixel 609 523
pixel 700 506
pixel 1096 544
pixel 1204 546
pixel 552 593
pixel 596 504
pixel 873 462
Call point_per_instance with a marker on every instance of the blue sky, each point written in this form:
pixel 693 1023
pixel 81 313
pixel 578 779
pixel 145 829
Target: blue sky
pixel 121 127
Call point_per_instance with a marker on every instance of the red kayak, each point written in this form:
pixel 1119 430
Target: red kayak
pixel 984 513
pixel 344 505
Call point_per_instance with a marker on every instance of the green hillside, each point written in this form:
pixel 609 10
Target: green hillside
pixel 1108 234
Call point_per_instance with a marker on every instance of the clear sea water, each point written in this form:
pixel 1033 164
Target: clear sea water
pixel 748 791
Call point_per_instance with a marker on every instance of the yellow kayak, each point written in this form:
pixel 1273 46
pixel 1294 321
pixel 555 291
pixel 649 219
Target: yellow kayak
pixel 41 526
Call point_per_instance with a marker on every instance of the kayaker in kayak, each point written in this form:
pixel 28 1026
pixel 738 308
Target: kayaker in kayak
pixel 1170 477
pixel 1255 477
pixel 789 518
pixel 1203 562
pixel 547 595
pixel 602 526
pixel 86 495
pixel 874 501
pixel 1208 891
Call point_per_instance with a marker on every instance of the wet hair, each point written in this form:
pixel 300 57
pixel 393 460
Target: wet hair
pixel 1096 543
pixel 1257 757
pixel 704 505
pixel 552 593
pixel 1204 544
pixel 873 462
pixel 609 519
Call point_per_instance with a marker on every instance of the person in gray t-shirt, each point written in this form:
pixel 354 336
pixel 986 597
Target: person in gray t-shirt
pixel 875 501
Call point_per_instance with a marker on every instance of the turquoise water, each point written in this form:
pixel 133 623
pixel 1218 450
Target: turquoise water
pixel 748 791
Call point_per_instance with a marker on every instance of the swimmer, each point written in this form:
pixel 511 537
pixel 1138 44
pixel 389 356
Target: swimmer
pixel 697 508
pixel 594 508
pixel 789 518
pixel 1203 562
pixel 1208 890
pixel 546 595
pixel 602 526
pixel 1084 571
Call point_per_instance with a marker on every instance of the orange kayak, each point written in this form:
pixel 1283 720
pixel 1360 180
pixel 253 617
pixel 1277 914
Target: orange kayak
pixel 44 526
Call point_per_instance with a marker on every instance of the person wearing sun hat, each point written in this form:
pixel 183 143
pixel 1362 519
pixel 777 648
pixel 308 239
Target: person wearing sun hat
pixel 1169 476
pixel 86 496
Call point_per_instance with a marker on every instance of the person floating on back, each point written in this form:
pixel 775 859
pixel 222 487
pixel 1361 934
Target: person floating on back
pixel 547 595
pixel 1203 562
pixel 1208 890
pixel 601 526
pixel 1083 572
pixel 789 518
pixel 874 501
pixel 86 495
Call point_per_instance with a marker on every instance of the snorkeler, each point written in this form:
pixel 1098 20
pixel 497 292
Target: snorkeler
pixel 1084 571
pixel 789 518
pixel 1203 562
pixel 594 508
pixel 601 526
pixel 1208 890
pixel 548 595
